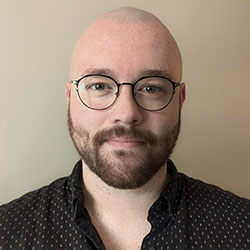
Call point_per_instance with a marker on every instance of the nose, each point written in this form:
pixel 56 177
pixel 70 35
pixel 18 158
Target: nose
pixel 125 111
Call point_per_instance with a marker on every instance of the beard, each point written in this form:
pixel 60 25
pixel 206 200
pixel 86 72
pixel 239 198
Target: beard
pixel 119 168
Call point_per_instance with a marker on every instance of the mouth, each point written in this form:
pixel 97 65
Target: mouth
pixel 125 143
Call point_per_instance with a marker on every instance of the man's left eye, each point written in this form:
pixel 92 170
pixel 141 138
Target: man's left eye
pixel 151 89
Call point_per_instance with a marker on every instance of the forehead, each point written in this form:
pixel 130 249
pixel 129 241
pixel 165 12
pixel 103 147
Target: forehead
pixel 126 49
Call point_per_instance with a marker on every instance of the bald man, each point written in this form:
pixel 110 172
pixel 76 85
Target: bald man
pixel 124 104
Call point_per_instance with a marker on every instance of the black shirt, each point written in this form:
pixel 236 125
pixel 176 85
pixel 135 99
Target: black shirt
pixel 189 214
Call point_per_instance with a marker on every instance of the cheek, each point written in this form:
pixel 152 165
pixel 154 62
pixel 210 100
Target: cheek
pixel 88 119
pixel 172 111
pixel 165 120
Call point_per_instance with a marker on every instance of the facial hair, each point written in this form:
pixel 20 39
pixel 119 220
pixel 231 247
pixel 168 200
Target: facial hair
pixel 119 168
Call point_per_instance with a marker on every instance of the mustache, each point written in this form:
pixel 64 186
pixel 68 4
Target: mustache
pixel 145 136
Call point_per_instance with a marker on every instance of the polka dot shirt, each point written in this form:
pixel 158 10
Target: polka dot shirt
pixel 189 214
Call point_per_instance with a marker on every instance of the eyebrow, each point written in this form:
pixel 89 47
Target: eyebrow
pixel 154 72
pixel 99 71
pixel 106 71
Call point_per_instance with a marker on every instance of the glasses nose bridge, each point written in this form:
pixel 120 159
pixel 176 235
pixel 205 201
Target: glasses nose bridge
pixel 119 84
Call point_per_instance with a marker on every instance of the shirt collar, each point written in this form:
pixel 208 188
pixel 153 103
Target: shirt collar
pixel 75 184
pixel 172 191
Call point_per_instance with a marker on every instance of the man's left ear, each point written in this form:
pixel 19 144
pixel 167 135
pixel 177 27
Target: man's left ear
pixel 182 93
pixel 67 91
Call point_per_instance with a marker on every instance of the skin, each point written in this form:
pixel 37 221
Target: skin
pixel 126 43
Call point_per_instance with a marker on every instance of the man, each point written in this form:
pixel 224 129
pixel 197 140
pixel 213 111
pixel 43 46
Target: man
pixel 124 104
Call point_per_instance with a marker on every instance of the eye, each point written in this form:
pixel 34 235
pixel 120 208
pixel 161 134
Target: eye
pixel 98 86
pixel 151 89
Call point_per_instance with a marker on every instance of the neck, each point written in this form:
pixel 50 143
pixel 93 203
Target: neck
pixel 101 199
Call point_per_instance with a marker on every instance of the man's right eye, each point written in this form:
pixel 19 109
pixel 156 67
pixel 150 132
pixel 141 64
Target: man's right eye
pixel 96 86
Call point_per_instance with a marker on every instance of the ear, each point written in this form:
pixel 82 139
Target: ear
pixel 67 92
pixel 182 93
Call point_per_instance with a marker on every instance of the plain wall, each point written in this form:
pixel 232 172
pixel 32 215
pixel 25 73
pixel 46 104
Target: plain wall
pixel 37 38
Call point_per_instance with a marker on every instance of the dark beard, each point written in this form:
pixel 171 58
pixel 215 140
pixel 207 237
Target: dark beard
pixel 122 169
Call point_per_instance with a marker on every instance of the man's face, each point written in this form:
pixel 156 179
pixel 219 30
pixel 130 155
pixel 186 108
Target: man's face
pixel 124 145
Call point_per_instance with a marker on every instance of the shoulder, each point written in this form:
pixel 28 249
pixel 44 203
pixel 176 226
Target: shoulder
pixel 201 192
pixel 215 209
pixel 37 219
pixel 216 218
pixel 33 203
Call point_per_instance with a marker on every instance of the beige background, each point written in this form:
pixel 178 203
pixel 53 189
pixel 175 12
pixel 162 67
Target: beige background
pixel 37 38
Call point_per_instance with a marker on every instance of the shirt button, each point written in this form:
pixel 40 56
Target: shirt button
pixel 151 248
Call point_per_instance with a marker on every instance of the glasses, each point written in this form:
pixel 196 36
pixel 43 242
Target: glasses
pixel 99 92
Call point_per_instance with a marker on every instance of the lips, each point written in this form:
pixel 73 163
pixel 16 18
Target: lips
pixel 124 139
pixel 127 143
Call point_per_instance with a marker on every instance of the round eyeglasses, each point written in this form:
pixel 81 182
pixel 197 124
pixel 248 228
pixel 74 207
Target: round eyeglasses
pixel 151 93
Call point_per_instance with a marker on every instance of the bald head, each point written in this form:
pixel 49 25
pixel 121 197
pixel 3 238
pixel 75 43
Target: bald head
pixel 130 36
pixel 130 15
